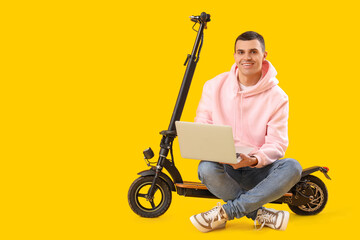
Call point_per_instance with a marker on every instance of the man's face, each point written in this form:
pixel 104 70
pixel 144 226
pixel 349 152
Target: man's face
pixel 249 57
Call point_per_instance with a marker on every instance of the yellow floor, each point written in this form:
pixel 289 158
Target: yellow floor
pixel 175 222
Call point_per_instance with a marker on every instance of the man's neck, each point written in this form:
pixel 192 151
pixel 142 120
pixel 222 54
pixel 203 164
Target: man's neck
pixel 249 80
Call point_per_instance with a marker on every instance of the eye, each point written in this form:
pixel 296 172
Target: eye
pixel 254 51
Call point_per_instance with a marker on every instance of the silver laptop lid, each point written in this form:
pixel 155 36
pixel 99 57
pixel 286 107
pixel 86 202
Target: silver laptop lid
pixel 206 142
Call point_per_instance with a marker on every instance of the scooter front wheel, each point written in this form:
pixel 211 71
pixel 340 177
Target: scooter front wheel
pixel 147 207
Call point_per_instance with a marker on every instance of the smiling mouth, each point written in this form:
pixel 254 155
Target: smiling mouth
pixel 247 64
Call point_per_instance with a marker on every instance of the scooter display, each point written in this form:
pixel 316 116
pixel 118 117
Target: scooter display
pixel 150 195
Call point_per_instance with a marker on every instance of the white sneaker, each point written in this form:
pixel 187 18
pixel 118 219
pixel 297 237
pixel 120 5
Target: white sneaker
pixel 207 221
pixel 272 218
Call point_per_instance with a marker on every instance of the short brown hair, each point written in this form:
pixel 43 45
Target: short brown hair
pixel 250 35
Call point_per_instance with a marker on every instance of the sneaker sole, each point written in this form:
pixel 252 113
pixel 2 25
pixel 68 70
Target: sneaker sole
pixel 201 228
pixel 198 226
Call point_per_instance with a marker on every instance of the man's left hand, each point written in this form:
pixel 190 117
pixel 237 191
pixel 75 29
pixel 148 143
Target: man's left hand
pixel 246 161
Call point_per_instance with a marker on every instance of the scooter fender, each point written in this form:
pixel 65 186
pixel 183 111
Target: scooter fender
pixel 165 177
pixel 308 171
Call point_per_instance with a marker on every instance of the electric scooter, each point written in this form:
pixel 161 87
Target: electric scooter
pixel 150 195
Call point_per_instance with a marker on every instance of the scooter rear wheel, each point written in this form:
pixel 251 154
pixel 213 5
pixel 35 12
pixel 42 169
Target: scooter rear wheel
pixel 319 198
pixel 142 205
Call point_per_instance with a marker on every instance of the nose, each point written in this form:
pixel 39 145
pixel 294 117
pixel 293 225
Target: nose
pixel 247 56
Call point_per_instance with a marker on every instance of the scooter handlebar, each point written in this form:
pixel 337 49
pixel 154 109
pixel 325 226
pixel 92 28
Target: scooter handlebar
pixel 203 17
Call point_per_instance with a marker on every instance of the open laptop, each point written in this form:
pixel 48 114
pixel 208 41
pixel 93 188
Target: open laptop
pixel 208 142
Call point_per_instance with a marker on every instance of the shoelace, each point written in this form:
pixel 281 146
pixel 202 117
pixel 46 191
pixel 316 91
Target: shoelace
pixel 213 213
pixel 265 218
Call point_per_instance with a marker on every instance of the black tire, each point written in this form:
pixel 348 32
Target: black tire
pixel 319 201
pixel 149 208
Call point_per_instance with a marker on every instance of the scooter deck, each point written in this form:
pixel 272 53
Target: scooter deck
pixel 198 185
pixel 191 185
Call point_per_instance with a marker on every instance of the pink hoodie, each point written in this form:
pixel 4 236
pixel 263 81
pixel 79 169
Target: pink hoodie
pixel 257 115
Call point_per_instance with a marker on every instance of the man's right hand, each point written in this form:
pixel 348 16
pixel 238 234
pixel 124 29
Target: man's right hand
pixel 246 161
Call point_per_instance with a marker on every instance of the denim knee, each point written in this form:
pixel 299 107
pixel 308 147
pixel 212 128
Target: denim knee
pixel 207 169
pixel 294 168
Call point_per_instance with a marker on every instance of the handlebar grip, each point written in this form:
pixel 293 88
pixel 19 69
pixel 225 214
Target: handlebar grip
pixel 205 17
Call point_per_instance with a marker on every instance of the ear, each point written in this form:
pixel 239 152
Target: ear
pixel 265 55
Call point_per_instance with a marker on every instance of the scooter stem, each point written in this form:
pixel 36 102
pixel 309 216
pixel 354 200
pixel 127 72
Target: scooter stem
pixel 189 73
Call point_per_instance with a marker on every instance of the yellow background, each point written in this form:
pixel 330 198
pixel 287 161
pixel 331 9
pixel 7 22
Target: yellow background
pixel 87 85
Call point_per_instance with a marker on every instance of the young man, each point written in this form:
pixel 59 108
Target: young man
pixel 248 99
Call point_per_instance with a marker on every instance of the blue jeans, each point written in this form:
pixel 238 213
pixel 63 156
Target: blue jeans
pixel 247 189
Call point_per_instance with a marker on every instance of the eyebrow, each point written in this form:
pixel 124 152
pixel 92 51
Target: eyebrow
pixel 249 49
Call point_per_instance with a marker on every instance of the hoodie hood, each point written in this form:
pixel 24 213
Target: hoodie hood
pixel 266 82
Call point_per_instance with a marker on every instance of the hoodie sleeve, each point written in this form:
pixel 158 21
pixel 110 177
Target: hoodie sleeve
pixel 276 139
pixel 204 110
